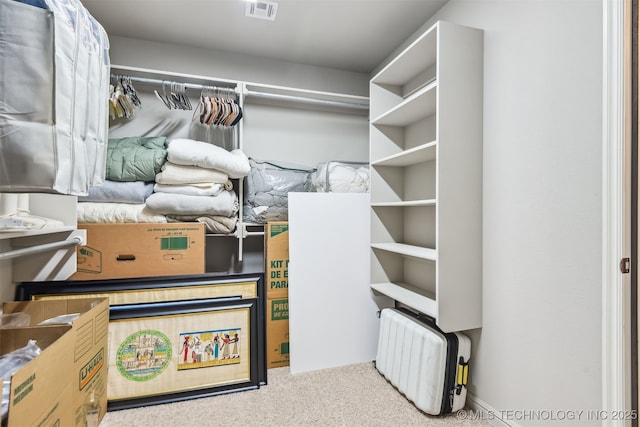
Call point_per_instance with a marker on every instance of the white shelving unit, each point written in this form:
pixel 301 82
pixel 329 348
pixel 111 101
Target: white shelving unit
pixel 426 176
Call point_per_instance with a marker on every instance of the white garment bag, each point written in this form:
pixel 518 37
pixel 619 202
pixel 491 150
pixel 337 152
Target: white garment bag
pixel 53 98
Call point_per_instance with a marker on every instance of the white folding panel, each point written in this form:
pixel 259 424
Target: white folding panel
pixel 332 312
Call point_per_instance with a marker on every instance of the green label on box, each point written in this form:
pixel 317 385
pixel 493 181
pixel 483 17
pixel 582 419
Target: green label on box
pixel 278 228
pixel 89 260
pixel 284 348
pixel 280 309
pixel 174 243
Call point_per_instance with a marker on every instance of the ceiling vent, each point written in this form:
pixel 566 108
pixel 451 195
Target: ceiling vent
pixel 262 9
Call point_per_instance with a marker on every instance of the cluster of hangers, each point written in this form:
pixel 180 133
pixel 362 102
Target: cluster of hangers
pixel 175 98
pixel 218 107
pixel 123 98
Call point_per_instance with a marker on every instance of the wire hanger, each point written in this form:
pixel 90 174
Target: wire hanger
pixel 218 107
pixel 123 99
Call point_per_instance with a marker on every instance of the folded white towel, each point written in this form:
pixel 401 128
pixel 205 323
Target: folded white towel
pixel 97 212
pixel 198 189
pixel 198 153
pixel 225 204
pixel 172 173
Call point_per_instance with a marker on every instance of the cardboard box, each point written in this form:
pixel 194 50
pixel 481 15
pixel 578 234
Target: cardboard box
pixel 277 332
pixel 140 250
pixel 71 372
pixel 40 391
pixel 277 259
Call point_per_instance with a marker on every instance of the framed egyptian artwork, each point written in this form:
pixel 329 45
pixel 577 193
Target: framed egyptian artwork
pixel 174 351
pixel 175 338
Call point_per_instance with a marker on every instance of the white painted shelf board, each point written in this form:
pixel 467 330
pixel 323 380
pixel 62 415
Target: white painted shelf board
pixel 39 232
pixel 421 104
pixel 406 204
pixel 419 55
pixel 413 156
pixel 418 299
pixel 408 250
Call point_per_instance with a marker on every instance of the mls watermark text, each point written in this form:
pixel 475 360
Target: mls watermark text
pixel 547 415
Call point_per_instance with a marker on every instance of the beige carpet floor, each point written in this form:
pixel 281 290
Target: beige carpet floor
pixel 354 395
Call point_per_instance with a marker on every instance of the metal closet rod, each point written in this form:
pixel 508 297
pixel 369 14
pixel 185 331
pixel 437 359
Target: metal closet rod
pixel 264 95
pixel 301 99
pixel 159 82
pixel 74 241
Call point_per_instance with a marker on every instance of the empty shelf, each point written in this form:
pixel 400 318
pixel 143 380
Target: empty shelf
pixel 405 204
pixel 413 156
pixel 418 299
pixel 408 250
pixel 420 105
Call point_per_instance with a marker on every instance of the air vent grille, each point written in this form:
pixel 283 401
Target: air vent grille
pixel 262 9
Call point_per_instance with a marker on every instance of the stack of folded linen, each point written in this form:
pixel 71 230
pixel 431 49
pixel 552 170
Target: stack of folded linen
pixel 130 170
pixel 194 184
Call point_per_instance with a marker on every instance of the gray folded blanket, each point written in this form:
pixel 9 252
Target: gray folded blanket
pixel 119 192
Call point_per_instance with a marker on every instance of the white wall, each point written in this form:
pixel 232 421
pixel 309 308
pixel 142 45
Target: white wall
pixel 539 348
pixel 304 138
pixel 226 65
pixel 292 135
pixel 540 344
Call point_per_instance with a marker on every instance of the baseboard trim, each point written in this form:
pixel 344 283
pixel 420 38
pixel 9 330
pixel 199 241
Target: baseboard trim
pixel 482 410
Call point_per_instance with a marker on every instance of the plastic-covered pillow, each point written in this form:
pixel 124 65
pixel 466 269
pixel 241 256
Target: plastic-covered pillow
pixel 339 177
pixel 267 189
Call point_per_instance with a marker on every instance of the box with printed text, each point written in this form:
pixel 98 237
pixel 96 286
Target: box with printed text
pixel 276 257
pixel 66 384
pixel 276 247
pixel 140 250
pixel 277 332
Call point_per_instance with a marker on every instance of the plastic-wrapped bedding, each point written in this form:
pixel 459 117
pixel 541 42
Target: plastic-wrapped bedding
pixel 266 191
pixel 339 177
